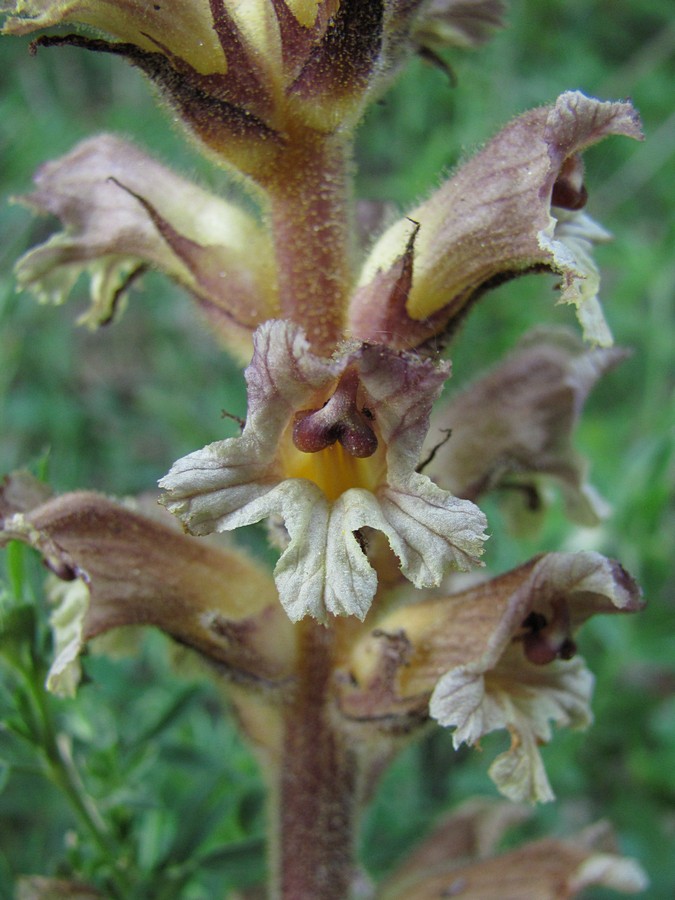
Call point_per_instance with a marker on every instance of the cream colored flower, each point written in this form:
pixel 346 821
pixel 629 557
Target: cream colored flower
pixel 500 655
pixel 331 447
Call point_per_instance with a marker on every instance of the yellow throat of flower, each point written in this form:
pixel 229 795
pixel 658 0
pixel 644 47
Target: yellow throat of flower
pixel 334 469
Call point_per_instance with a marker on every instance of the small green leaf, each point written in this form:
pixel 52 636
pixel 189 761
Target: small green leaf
pixel 156 833
pixel 16 568
pixel 5 770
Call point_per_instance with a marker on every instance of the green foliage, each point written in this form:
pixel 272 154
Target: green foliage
pixel 154 794
pixel 140 780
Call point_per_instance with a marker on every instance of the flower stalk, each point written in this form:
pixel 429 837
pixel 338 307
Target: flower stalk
pixel 315 810
pixel 362 634
pixel 310 217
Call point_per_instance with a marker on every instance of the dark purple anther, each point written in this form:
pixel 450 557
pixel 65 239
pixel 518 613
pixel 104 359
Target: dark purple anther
pixel 569 190
pixel 338 420
pixel 547 641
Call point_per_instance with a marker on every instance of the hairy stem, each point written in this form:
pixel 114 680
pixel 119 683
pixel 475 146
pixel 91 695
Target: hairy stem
pixel 316 808
pixel 310 220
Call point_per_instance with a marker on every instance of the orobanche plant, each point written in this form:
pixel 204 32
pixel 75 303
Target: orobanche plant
pixel 369 630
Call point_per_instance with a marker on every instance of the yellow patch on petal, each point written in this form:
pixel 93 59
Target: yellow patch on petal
pixel 334 470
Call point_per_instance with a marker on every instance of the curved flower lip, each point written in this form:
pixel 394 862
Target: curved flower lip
pixel 121 212
pixel 491 221
pixel 516 422
pixel 142 571
pixel 495 656
pixel 324 570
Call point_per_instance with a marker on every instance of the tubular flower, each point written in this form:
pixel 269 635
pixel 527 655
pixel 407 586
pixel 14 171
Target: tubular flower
pixel 331 447
pixel 461 858
pixel 123 212
pixel 514 208
pixel 119 566
pixel 515 423
pixel 500 655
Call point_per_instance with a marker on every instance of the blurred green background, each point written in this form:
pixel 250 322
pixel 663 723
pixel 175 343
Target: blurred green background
pixel 112 410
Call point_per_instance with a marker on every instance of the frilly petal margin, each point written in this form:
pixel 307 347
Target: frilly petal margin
pixel 324 568
pixel 495 219
pixel 505 688
pixel 495 656
pixel 123 212
pixel 524 699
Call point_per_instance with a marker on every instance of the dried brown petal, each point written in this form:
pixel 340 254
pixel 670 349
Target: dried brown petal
pixel 517 421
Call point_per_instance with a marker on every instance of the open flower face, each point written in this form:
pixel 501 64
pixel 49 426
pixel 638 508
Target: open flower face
pixel 331 447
